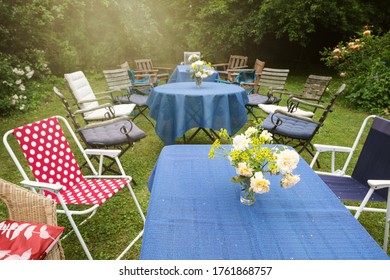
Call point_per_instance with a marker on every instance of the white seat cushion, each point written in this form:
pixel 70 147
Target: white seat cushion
pixel 120 110
pixel 269 109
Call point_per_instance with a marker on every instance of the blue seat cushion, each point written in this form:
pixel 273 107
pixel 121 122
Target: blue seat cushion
pixel 111 134
pixel 290 127
pixel 347 188
pixel 255 99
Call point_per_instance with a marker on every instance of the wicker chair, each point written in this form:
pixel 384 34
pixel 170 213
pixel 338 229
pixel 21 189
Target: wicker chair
pixel 25 205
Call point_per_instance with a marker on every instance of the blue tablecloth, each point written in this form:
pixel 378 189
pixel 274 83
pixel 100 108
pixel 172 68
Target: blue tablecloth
pixel 178 107
pixel 180 74
pixel 195 213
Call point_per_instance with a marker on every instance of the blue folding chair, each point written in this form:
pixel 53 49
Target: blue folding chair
pixel 370 179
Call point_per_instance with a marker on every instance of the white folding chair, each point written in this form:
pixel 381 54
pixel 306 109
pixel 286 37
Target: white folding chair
pixel 370 178
pixel 54 171
pixel 88 100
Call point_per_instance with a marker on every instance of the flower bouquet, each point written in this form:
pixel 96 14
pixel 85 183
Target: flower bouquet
pixel 253 158
pixel 200 69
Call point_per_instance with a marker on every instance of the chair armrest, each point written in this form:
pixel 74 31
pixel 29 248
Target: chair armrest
pixel 300 101
pixel 102 152
pixel 103 123
pixel 41 185
pixel 295 116
pixel 104 92
pixel 222 65
pixel 155 71
pixel 82 111
pixel 162 68
pixel 329 148
pixel 95 99
pixel 379 184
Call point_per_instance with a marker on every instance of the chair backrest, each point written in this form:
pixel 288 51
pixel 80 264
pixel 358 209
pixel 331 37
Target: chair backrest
pixel 237 61
pixel 315 87
pixel 187 55
pixel 46 148
pixel 259 66
pixel 117 79
pixel 272 78
pixel 328 108
pixel 67 107
pixel 374 159
pixel 27 206
pixel 144 64
pixel 81 89
pixel 125 65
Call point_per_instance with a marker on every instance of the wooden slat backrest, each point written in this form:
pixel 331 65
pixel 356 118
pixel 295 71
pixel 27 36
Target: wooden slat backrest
pixel 117 79
pixel 315 87
pixel 144 64
pixel 237 61
pixel 273 78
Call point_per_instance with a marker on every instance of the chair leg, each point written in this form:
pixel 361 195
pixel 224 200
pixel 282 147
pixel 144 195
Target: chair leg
pixel 212 134
pixel 364 202
pixel 387 225
pixel 141 111
pixel 75 228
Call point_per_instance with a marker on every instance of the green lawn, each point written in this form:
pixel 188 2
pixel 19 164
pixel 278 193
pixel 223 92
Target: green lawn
pixel 110 229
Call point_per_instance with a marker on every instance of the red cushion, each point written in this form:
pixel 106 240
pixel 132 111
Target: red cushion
pixel 27 241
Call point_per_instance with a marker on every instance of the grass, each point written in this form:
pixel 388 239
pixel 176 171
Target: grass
pixel 113 225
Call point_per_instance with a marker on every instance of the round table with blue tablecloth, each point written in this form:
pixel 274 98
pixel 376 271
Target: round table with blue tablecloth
pixel 178 107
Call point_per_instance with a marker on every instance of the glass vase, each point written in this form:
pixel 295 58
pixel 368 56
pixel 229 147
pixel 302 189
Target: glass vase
pixel 247 196
pixel 198 81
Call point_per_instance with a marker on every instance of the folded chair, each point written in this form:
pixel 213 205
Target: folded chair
pixel 118 133
pixel 146 66
pixel 29 207
pixel 370 178
pixel 313 91
pixel 88 101
pixel 54 171
pixel 272 82
pixel 119 79
pixel 297 131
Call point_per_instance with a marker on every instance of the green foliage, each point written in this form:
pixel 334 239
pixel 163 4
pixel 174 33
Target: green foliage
pixel 365 65
pixel 19 85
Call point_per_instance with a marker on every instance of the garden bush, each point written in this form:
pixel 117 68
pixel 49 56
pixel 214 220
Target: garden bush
pixel 364 63
pixel 20 82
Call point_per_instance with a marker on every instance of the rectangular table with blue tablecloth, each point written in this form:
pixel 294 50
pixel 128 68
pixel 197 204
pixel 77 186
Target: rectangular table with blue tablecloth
pixel 195 213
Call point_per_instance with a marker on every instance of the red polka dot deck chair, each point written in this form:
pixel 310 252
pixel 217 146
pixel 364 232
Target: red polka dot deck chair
pixel 57 174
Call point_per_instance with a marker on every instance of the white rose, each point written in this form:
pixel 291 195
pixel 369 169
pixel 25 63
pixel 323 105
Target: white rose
pixel 251 130
pixel 287 161
pixel 289 180
pixel 259 184
pixel 198 62
pixel 240 142
pixel 198 74
pixel 244 170
pixel 266 135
